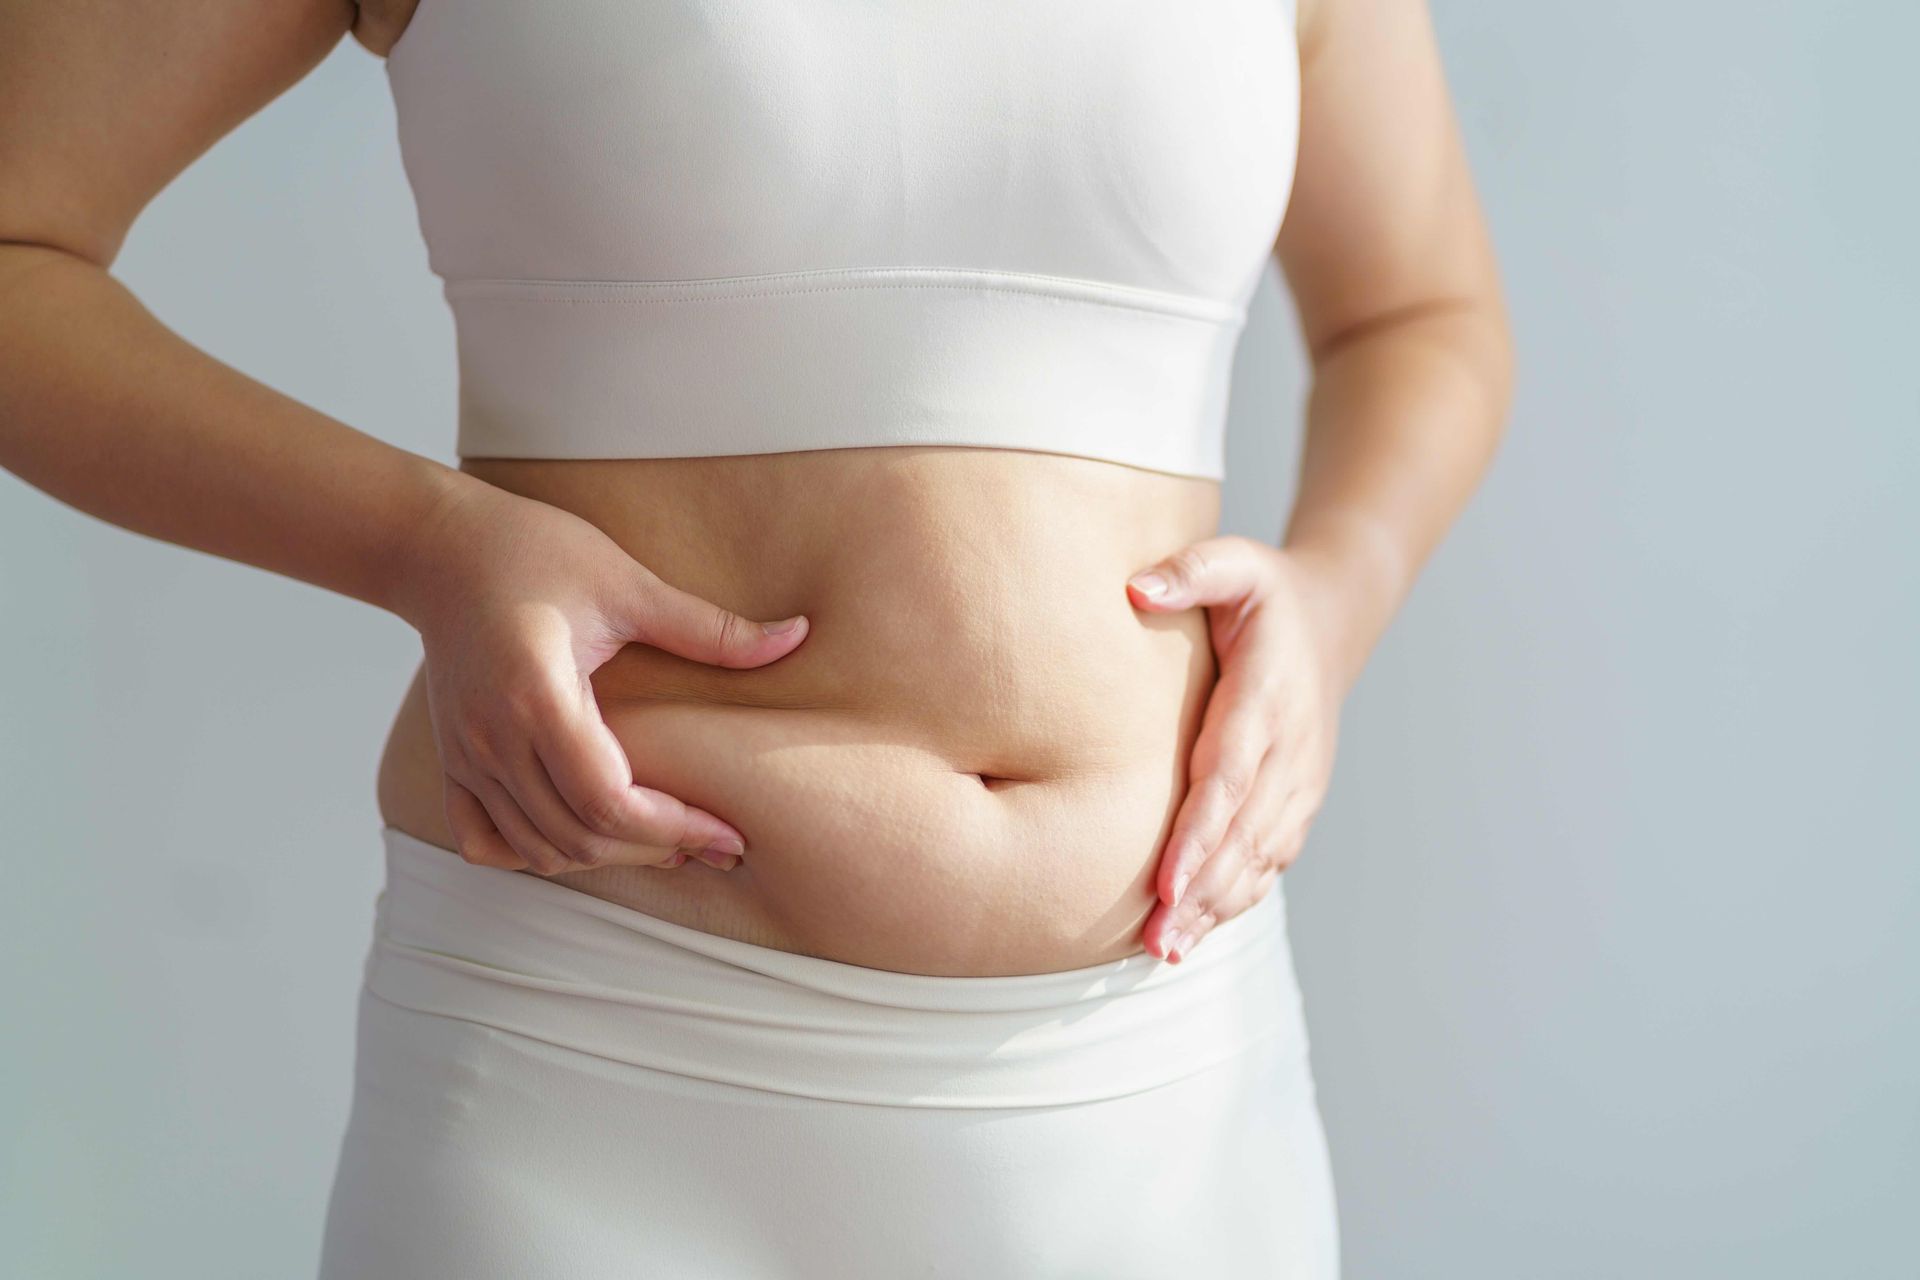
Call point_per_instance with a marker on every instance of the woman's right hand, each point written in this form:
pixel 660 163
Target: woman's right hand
pixel 518 602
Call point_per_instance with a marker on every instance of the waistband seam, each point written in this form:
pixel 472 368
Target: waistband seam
pixel 1235 1050
pixel 842 280
pixel 444 871
pixel 388 945
pixel 791 1028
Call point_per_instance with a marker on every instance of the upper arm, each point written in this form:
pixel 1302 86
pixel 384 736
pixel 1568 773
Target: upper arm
pixel 103 103
pixel 1384 220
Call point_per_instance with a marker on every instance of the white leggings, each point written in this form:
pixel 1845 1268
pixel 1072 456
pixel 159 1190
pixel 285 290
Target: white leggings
pixel 549 1085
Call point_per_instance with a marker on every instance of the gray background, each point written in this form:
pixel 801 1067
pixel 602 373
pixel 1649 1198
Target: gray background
pixel 1608 931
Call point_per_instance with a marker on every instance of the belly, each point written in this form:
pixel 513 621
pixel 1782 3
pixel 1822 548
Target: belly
pixel 971 763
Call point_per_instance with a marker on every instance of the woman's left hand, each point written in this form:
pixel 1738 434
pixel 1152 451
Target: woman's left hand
pixel 1264 754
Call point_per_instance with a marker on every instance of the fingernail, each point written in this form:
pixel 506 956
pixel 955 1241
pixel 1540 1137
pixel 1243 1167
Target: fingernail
pixel 718 861
pixel 785 625
pixel 1180 886
pixel 677 860
pixel 1150 585
pixel 1173 944
pixel 727 845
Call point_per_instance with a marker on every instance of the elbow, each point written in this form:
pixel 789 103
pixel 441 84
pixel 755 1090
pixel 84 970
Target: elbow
pixel 1497 366
pixel 1478 338
pixel 1464 337
pixel 71 230
pixel 23 260
pixel 33 237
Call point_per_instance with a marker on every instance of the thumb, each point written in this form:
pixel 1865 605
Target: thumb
pixel 1213 571
pixel 682 623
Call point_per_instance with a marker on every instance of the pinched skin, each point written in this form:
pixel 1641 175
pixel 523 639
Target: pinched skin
pixel 970 764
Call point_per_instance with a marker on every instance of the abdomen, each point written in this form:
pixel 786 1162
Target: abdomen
pixel 970 764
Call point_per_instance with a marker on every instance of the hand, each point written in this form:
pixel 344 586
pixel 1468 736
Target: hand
pixel 518 603
pixel 1264 754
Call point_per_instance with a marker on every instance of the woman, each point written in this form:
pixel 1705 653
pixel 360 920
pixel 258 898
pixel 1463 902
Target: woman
pixel 836 824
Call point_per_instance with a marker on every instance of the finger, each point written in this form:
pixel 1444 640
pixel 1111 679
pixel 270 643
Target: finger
pixel 511 821
pixel 1211 571
pixel 473 832
pixel 1223 767
pixel 680 622
pixel 533 788
pixel 1253 883
pixel 590 770
pixel 1199 910
pixel 1247 843
pixel 718 861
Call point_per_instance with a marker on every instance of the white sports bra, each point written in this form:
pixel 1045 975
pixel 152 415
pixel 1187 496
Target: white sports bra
pixel 709 227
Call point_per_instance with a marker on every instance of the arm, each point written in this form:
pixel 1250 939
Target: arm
pixel 101 406
pixel 1398 294
pixel 1390 267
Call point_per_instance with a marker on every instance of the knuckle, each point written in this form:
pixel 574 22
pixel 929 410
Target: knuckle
pixel 1187 564
pixel 635 603
pixel 587 856
pixel 646 585
pixel 546 862
pixel 527 700
pixel 1232 783
pixel 602 809
pixel 586 850
pixel 728 631
pixel 480 743
pixel 1193 850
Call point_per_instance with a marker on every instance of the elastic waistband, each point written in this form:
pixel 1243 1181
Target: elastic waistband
pixel 531 956
pixel 843 358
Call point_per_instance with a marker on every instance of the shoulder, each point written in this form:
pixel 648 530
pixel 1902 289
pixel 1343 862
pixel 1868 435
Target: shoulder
pixel 378 24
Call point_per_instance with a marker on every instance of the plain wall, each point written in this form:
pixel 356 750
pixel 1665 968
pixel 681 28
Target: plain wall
pixel 1608 932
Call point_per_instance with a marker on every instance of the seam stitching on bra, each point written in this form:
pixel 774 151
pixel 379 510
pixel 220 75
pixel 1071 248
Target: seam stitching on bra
pixel 716 290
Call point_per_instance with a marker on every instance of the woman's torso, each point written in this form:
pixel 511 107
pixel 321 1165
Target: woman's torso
pixel 970 763
pixel 968 280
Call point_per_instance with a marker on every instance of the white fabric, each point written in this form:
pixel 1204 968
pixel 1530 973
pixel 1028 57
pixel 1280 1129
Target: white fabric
pixel 712 227
pixel 548 1085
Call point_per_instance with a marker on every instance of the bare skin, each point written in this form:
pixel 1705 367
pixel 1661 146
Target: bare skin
pixel 984 745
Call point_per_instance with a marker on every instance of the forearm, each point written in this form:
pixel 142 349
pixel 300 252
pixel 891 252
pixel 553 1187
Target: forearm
pixel 1401 423
pixel 108 410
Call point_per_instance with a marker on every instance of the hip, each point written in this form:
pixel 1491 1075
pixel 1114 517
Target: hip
pixel 551 1084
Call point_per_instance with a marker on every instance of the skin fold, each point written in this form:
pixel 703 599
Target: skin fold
pixel 968 764
pixel 986 744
